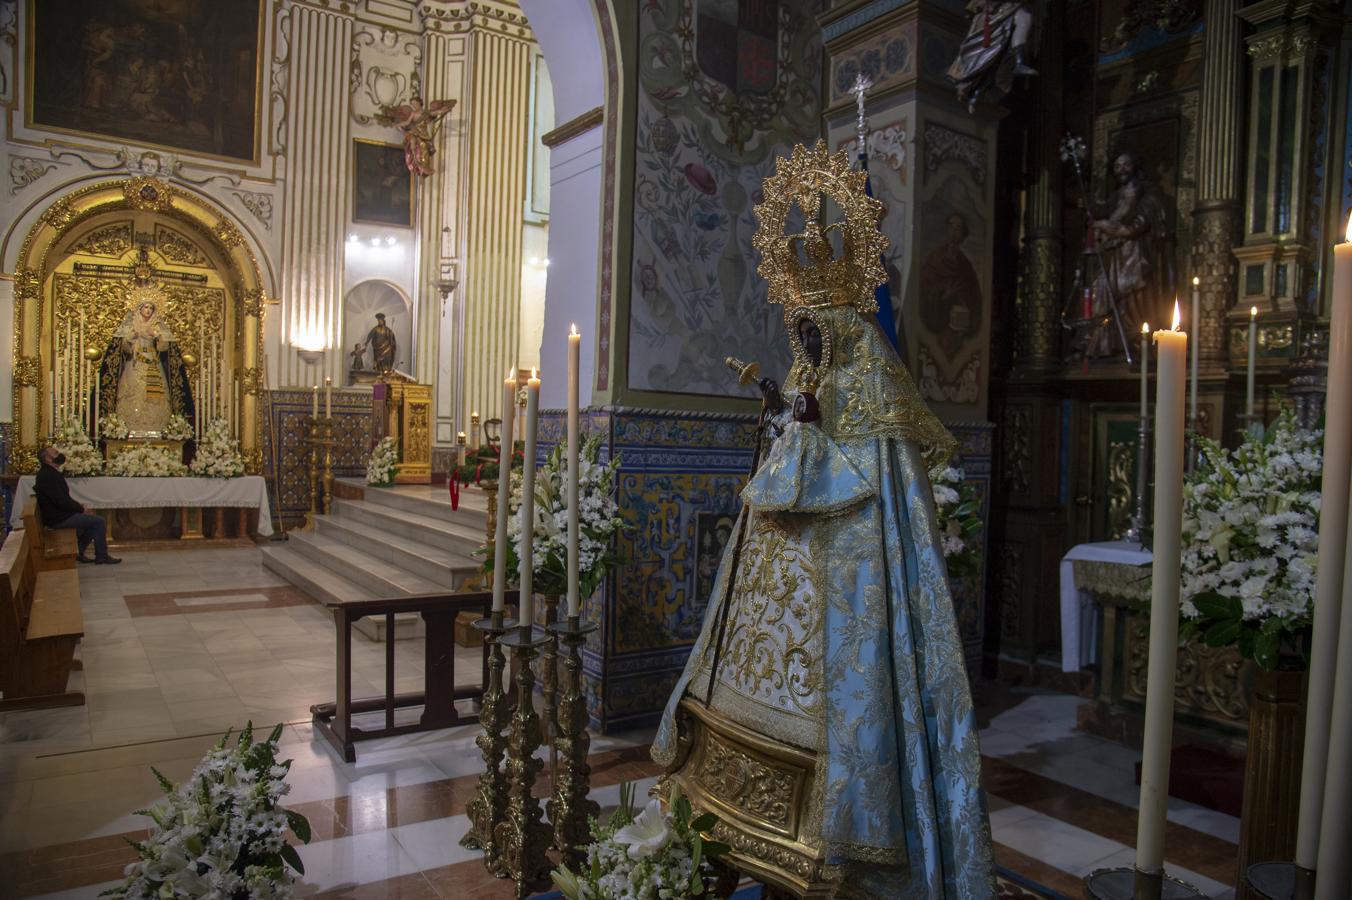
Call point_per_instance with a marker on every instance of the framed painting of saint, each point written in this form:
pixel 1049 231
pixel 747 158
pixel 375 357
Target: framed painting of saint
pixel 183 75
pixel 382 186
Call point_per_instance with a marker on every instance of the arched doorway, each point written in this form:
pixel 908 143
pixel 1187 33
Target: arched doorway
pixel 76 273
pixel 361 306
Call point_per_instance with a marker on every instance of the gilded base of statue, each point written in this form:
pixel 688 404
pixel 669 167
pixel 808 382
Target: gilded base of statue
pixel 760 790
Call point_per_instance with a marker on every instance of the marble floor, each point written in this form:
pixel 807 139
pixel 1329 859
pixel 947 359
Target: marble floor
pixel 182 644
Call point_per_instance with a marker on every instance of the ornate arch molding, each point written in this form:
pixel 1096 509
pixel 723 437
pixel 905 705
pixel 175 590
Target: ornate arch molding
pixel 34 267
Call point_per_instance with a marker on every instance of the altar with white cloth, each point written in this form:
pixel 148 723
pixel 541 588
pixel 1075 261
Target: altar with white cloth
pixel 1079 610
pixel 246 492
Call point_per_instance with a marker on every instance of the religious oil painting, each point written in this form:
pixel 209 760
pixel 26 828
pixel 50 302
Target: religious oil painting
pixel 178 74
pixel 382 186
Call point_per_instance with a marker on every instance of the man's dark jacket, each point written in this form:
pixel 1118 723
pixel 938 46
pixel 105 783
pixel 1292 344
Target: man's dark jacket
pixel 54 503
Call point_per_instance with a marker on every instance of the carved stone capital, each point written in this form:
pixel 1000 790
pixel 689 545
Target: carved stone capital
pixel 1215 226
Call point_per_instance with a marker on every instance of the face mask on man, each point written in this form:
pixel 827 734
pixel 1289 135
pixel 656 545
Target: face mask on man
pixel 59 459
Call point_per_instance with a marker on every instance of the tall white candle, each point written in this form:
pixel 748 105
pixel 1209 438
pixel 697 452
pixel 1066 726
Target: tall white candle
pixel 82 367
pixel 67 372
pixel 94 421
pixel 1195 323
pixel 574 443
pixel 528 503
pixel 328 396
pixel 1165 573
pixel 1253 361
pixel 314 402
pixel 1145 369
pixel 1328 591
pixel 474 430
pixel 201 383
pixel 504 492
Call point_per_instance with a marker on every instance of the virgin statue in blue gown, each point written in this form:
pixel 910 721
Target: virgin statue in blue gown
pixel 824 712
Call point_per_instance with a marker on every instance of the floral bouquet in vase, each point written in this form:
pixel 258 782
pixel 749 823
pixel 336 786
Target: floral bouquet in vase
pixel 178 428
pixel 113 427
pixel 1251 540
pixel 222 833
pixel 652 854
pixel 81 457
pixel 217 453
pixel 598 522
pixel 380 467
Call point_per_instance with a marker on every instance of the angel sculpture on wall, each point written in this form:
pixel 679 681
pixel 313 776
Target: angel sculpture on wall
pixel 419 125
pixel 994 50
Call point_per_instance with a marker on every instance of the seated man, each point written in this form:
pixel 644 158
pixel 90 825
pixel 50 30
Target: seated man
pixel 58 510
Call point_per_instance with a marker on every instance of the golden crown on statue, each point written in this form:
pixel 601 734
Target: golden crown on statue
pixel 824 279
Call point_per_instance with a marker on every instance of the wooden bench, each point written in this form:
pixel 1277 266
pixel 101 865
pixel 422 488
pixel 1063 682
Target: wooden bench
pixel 40 624
pixel 51 548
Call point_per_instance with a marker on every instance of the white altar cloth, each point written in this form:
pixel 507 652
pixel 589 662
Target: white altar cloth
pixel 1079 614
pixel 109 492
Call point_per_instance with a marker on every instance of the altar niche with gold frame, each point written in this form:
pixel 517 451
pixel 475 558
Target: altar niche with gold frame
pixel 74 266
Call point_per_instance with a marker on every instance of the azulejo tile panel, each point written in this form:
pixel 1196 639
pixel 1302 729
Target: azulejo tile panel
pixel 288 459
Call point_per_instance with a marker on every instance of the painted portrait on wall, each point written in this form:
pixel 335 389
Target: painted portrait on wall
pixel 179 74
pixel 382 186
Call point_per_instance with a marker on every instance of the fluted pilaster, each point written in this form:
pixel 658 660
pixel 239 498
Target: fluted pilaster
pixel 1216 217
pixel 497 128
pixel 317 188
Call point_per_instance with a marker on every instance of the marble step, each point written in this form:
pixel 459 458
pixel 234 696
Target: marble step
pixel 446 565
pixel 331 588
pixel 367 570
pixel 409 525
pixel 435 503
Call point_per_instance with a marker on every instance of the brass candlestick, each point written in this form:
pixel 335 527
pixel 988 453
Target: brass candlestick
pixel 327 479
pixel 312 470
pixel 569 809
pixel 521 837
pixel 489 803
pixel 549 682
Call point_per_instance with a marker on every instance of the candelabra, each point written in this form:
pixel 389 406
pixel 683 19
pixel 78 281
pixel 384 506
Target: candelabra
pixel 521 837
pixel 1136 532
pixel 489 804
pixel 328 464
pixel 312 470
pixel 320 434
pixel 549 682
pixel 569 809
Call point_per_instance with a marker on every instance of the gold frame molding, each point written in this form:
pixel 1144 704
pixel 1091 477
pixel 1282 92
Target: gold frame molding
pixel 33 274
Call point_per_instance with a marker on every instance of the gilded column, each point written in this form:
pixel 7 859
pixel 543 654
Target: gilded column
pixel 1041 288
pixel 1216 216
pixel 314 202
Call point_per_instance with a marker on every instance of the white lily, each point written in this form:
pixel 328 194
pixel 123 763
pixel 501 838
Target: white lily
pixel 647 834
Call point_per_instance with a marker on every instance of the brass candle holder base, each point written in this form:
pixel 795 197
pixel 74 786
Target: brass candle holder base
pixel 569 809
pixel 549 683
pixel 1128 883
pixel 521 837
pixel 489 804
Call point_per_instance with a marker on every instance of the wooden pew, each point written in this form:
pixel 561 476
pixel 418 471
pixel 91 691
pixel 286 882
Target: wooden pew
pixel 40 624
pixel 51 548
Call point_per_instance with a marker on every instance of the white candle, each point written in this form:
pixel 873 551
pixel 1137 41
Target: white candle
pixel 82 367
pixel 1328 599
pixel 94 422
pixel 1165 574
pixel 314 402
pixel 201 383
pixel 474 430
pixel 1253 360
pixel 67 373
pixel 1145 369
pixel 1195 323
pixel 528 504
pixel 328 396
pixel 51 403
pixel 504 495
pixel 574 442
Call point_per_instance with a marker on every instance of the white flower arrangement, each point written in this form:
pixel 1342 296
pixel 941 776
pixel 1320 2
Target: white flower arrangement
pixel 598 521
pixel 177 428
pixel 380 468
pixel 958 509
pixel 81 456
pixel 217 453
pixel 652 855
pixel 146 462
pixel 222 833
pixel 113 427
pixel 1251 540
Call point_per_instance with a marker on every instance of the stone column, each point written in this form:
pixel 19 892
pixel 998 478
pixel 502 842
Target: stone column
pixel 317 188
pixel 1042 288
pixel 1216 216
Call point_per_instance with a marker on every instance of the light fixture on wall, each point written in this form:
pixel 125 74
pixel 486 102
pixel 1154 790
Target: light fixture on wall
pixel 447 283
pixel 310 346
